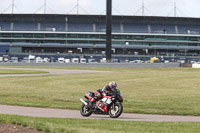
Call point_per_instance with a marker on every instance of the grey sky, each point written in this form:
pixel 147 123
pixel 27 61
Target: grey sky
pixel 185 8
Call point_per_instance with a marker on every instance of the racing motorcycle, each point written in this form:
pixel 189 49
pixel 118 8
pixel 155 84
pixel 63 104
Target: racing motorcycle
pixel 108 105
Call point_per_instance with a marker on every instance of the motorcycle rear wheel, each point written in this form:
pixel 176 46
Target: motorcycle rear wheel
pixel 85 110
pixel 116 112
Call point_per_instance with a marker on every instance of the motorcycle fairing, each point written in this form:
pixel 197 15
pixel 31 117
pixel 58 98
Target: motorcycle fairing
pixel 102 106
pixel 89 95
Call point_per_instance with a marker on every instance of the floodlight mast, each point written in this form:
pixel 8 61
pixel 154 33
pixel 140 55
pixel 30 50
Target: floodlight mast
pixel 108 30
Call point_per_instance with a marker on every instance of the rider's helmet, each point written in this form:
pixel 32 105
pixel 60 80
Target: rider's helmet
pixel 113 85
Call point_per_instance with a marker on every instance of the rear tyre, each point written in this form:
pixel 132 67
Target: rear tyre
pixel 116 112
pixel 85 110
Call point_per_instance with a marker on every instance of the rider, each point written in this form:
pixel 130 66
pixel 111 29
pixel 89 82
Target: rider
pixel 109 90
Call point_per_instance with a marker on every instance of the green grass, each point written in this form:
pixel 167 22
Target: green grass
pixel 9 71
pixel 146 90
pixel 55 125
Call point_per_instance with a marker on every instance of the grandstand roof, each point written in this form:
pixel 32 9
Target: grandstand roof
pixel 100 18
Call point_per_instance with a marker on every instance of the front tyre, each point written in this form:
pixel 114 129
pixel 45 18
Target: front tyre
pixel 116 112
pixel 85 110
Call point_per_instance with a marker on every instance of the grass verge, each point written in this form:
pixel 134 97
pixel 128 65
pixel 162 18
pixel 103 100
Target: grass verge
pixel 55 125
pixel 172 91
pixel 9 71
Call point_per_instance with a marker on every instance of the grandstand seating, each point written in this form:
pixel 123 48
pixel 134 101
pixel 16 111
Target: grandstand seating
pixel 56 34
pixel 133 28
pixel 77 27
pixel 188 29
pixel 4 48
pixel 25 26
pixel 100 27
pixel 161 28
pixel 116 28
pixel 52 26
pixel 5 25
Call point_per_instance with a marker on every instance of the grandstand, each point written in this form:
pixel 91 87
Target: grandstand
pixel 84 35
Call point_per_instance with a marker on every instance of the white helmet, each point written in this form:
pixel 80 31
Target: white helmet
pixel 113 85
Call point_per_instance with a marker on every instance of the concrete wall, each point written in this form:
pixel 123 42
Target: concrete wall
pixel 195 65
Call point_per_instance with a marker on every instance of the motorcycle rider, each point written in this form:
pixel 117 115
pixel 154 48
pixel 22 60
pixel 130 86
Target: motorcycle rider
pixel 109 90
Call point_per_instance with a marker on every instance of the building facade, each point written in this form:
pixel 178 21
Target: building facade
pixel 132 36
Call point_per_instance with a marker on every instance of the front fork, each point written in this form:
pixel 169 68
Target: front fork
pixel 113 106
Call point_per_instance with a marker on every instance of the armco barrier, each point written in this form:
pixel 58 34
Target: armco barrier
pixel 92 64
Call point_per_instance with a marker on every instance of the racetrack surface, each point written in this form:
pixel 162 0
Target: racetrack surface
pixel 50 71
pixel 62 113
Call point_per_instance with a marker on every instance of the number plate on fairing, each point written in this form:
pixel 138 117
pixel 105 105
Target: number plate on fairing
pixel 106 100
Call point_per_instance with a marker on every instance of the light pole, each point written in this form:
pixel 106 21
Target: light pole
pixel 108 30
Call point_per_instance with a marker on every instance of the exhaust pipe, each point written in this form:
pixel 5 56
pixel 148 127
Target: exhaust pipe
pixel 83 102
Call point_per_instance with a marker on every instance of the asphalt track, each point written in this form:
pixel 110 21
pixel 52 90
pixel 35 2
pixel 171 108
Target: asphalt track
pixel 50 71
pixel 62 113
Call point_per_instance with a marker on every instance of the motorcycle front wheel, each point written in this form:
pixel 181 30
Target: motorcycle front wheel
pixel 85 110
pixel 116 111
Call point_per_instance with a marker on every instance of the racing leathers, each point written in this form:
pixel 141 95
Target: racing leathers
pixel 107 90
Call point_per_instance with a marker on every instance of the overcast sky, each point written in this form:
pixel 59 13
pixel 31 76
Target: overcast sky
pixel 185 8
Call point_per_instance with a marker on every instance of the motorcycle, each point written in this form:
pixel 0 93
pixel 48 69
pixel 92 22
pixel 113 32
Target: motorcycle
pixel 108 105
